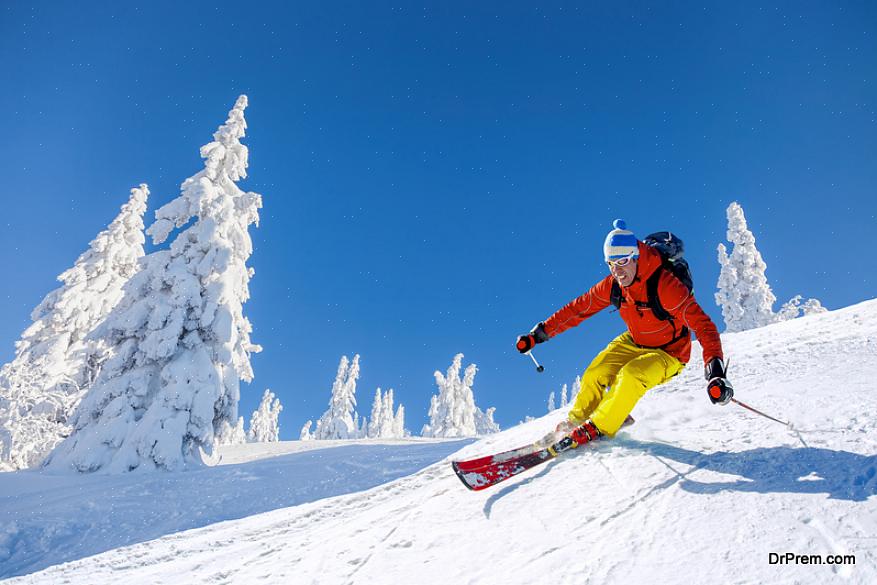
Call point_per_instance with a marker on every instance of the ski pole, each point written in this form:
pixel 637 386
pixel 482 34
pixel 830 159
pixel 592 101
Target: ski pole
pixel 747 407
pixel 539 368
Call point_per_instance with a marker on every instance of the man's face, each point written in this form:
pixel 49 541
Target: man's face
pixel 624 270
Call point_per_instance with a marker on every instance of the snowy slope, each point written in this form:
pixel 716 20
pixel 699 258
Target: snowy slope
pixel 691 490
pixel 48 519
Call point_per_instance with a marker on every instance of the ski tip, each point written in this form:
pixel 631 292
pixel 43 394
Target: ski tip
pixel 460 475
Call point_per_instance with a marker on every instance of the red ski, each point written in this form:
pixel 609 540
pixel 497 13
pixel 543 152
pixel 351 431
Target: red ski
pixel 498 468
pixel 483 472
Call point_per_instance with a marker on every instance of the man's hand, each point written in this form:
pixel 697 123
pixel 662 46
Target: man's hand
pixel 526 342
pixel 718 388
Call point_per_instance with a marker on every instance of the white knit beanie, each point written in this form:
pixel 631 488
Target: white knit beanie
pixel 620 242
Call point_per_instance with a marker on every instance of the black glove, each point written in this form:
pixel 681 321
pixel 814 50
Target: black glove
pixel 537 335
pixel 718 388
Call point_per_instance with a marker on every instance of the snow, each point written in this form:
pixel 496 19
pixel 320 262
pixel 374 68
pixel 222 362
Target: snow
pixel 690 489
pixel 46 519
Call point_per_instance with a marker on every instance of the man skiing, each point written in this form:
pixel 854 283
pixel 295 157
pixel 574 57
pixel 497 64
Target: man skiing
pixel 649 353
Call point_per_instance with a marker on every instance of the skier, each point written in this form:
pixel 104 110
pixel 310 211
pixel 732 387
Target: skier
pixel 649 353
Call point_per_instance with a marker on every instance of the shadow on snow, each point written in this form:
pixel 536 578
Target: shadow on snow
pixel 840 474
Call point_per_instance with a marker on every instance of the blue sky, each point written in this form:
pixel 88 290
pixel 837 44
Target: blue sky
pixel 439 177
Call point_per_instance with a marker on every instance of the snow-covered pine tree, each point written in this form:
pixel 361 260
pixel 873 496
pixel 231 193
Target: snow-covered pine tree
pixel 484 423
pixel 794 309
pixel 399 423
pixel 338 421
pixel 55 362
pixel 564 396
pixel 744 294
pixel 452 412
pixel 376 420
pixel 232 435
pixel 551 405
pixel 181 342
pixel 264 424
pixel 305 434
pixel 384 424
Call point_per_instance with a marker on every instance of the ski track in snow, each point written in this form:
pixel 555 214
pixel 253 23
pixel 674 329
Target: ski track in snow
pixel 691 489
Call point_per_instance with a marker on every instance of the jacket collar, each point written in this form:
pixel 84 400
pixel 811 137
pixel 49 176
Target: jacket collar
pixel 649 261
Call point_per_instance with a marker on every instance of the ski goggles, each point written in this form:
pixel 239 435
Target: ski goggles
pixel 621 263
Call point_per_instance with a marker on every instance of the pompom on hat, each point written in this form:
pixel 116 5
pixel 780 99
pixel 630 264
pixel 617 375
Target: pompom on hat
pixel 620 242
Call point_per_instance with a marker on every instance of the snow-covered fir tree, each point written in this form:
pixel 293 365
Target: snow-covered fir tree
pixel 564 396
pixel 384 423
pixel 232 435
pixel 55 361
pixel 361 427
pixel 341 421
pixel 181 344
pixel 452 412
pixel 744 294
pixel 265 425
pixel 305 434
pixel 794 308
pixel 377 420
pixel 399 430
pixel 484 423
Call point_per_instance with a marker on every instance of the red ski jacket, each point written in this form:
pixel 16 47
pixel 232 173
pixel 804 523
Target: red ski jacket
pixel 646 329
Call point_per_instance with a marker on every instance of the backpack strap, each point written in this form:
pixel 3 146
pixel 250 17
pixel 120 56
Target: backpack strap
pixel 659 311
pixel 615 296
pixel 654 301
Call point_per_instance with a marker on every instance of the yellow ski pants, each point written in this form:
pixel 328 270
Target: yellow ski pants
pixel 617 378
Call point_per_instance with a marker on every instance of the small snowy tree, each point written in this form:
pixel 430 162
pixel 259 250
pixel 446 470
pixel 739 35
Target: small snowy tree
pixel 341 421
pixel 305 434
pixel 564 396
pixel 265 422
pixel 181 344
pixel 384 424
pixel 55 362
pixel 232 435
pixel 376 420
pixel 452 413
pixel 399 423
pixel 484 423
pixel 794 309
pixel 744 294
pixel 551 405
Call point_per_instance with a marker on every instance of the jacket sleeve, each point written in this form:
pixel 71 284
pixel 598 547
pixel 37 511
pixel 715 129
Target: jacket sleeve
pixel 579 309
pixel 682 305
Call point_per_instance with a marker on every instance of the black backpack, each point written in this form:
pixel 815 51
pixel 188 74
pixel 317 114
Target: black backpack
pixel 672 250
